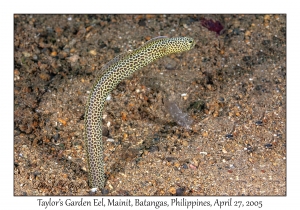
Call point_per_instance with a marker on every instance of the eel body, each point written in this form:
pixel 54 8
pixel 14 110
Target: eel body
pixel 112 74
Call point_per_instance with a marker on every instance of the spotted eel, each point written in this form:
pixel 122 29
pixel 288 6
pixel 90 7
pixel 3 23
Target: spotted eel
pixel 112 74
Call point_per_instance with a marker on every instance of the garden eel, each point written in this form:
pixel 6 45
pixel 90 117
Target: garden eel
pixel 112 74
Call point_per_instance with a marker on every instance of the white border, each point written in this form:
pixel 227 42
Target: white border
pixel 8 8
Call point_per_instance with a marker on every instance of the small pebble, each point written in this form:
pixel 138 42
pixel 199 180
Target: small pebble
pixel 125 136
pixel 169 159
pixel 44 76
pixel 192 167
pixel 53 54
pixel 153 149
pixel 259 122
pixel 172 190
pixel 35 57
pixel 26 54
pixel 247 33
pixel 205 134
pixel 16 72
pixel 104 191
pixel 268 146
pixel 229 136
pixel 177 164
pixel 62 121
pixel 180 191
pixel 94 189
pixel 73 58
pixel 58 30
pixel 72 50
pixel 224 150
pixel 185 143
pixel 150 16
pixel 267 17
pixel 124 116
pixel 266 24
pixel 93 52
pixel 185 166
